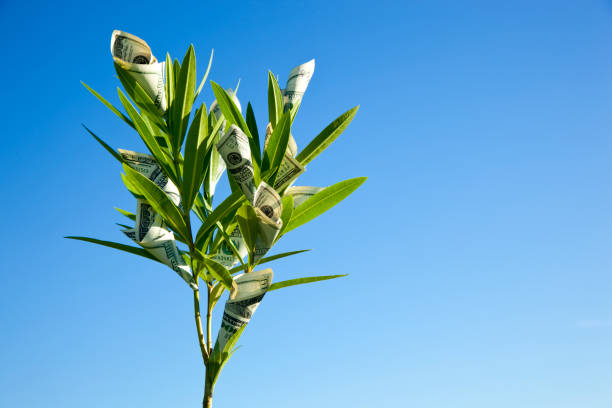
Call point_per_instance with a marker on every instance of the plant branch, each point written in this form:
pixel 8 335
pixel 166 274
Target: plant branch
pixel 208 321
pixel 198 319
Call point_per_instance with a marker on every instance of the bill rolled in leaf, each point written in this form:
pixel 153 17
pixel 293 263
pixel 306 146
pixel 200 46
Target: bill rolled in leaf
pixel 238 310
pixel 133 55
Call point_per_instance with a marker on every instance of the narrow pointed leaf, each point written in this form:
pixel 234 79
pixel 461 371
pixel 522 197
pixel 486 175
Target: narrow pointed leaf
pixel 109 149
pixel 183 98
pixel 249 225
pixel 323 201
pixel 128 214
pixel 326 137
pixel 195 157
pixel 301 281
pixel 169 84
pixel 233 116
pixel 132 188
pixel 276 147
pixel 252 124
pixel 158 199
pixel 215 295
pixel 228 205
pixel 268 259
pixel 205 75
pixel 287 203
pixel 275 100
pixel 219 272
pixel 109 105
pixel 122 247
pixel 145 134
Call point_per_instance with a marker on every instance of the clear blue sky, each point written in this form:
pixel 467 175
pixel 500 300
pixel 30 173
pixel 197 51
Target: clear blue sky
pixel 479 250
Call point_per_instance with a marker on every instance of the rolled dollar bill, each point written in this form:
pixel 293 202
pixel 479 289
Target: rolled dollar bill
pixel 148 167
pixel 150 231
pixel 133 55
pixel 291 146
pixel 268 208
pixel 288 172
pixel 302 193
pixel 161 245
pixel 236 152
pixel 298 80
pixel 251 288
pixel 226 256
pixel 268 201
pixel 218 165
pixel 290 168
pixel 151 234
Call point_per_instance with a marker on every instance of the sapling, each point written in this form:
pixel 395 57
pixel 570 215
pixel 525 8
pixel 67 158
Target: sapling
pixel 214 248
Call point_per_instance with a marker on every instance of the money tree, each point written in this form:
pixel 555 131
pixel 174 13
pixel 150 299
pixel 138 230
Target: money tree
pixel 214 245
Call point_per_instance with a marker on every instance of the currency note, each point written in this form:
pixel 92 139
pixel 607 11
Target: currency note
pixel 236 152
pixel 298 80
pixel 226 256
pixel 133 55
pixel 150 231
pixel 148 167
pixel 288 172
pixel 218 165
pixel 302 193
pixel 160 243
pixel 268 201
pixel 251 288
pixel 268 208
pixel 291 145
pixel 290 168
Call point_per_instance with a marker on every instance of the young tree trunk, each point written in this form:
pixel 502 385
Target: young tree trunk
pixel 207 403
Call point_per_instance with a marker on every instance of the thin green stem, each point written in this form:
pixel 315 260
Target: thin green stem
pixel 208 321
pixel 198 319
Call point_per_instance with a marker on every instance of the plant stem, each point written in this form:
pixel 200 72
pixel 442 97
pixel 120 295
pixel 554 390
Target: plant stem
pixel 207 402
pixel 208 321
pixel 198 319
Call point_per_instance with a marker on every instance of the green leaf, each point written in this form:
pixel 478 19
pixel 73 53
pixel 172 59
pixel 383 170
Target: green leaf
pixel 215 295
pixel 183 99
pixel 301 281
pixel 228 205
pixel 205 75
pixel 141 97
pixel 109 105
pixel 233 116
pixel 276 148
pixel 199 208
pixel 268 259
pixel 219 272
pixel 323 201
pixel 176 68
pixel 109 149
pixel 132 188
pixel 122 247
pixel 128 214
pixel 219 358
pixel 275 100
pixel 169 84
pixel 287 205
pixel 158 199
pixel 326 137
pixel 196 156
pixel 252 124
pixel 249 225
pixel 147 137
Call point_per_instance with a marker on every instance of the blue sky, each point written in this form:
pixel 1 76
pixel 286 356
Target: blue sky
pixel 478 250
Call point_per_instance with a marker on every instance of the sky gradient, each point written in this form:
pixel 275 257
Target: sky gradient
pixel 478 250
